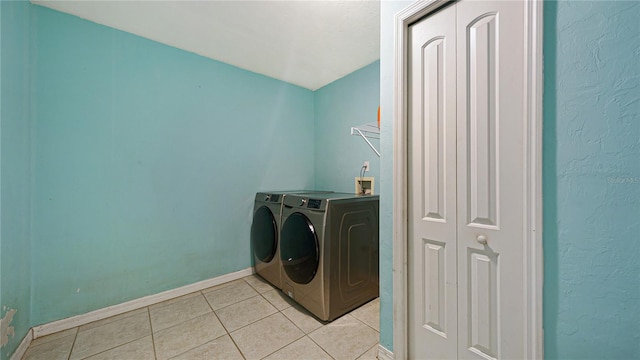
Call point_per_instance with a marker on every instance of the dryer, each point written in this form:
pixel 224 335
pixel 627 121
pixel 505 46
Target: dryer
pixel 329 248
pixel 265 233
pixel 264 236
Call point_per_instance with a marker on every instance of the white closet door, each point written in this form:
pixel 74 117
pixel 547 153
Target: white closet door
pixel 432 187
pixel 466 213
pixel 491 179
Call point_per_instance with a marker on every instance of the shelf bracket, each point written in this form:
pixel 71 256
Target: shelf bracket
pixel 367 131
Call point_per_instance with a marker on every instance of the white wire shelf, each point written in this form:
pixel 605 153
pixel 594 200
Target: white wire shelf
pixel 368 131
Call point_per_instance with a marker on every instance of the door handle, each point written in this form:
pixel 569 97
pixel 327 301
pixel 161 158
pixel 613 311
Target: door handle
pixel 482 239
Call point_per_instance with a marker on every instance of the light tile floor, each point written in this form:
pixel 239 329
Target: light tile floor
pixel 241 319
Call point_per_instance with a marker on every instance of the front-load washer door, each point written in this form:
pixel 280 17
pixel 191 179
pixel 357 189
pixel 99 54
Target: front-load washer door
pixel 299 249
pixel 264 235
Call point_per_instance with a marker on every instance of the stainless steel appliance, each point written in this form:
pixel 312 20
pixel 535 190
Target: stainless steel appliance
pixel 265 233
pixel 264 236
pixel 329 251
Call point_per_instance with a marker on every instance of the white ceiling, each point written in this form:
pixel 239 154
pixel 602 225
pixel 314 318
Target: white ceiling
pixel 303 42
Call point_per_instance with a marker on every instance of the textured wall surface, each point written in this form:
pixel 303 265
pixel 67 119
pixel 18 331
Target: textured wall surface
pixel 147 163
pixel 350 101
pixel 129 167
pixel 99 165
pixel 388 9
pixel 592 180
pixel 15 173
pixel 144 161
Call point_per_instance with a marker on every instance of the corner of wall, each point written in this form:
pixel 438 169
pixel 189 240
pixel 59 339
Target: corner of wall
pixel 388 10
pixel 16 30
pixel 1 158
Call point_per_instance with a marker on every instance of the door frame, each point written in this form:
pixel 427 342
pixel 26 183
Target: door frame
pixel 532 195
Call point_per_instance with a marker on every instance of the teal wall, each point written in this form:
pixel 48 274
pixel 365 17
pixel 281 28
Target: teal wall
pixel 1 313
pixel 147 162
pixel 591 178
pixel 15 169
pixel 129 167
pixel 136 151
pixel 388 9
pixel 1 162
pixel 349 101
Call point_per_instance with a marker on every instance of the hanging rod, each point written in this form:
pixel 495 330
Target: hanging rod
pixel 367 131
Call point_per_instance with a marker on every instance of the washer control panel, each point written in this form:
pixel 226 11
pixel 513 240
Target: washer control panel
pixel 314 204
pixel 302 202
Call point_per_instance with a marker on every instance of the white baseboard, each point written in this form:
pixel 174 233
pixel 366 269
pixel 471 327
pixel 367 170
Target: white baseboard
pixel 24 345
pixel 384 354
pixel 78 320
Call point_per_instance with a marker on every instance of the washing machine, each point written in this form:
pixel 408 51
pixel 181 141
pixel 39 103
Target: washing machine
pixel 329 251
pixel 265 232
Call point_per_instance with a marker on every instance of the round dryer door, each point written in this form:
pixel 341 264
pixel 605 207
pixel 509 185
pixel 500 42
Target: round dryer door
pixel 264 234
pixel 299 250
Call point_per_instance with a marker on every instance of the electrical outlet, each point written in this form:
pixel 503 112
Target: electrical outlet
pixel 366 166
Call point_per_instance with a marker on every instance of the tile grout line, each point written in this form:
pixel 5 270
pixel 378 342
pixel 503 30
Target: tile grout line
pixel 229 285
pixel 302 330
pixel 75 337
pixel 225 329
pixel 367 325
pixel 227 333
pixel 226 306
pixel 182 322
pixel 244 326
pixel 277 311
pixel 113 348
pixel 193 348
pixel 105 323
pixel 173 301
pixel 369 348
pixel 276 350
pixel 320 346
pixel 153 339
pixel 32 346
pixel 253 322
pixel 127 342
pixel 362 307
pixel 359 356
pixel 123 344
pixel 294 324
